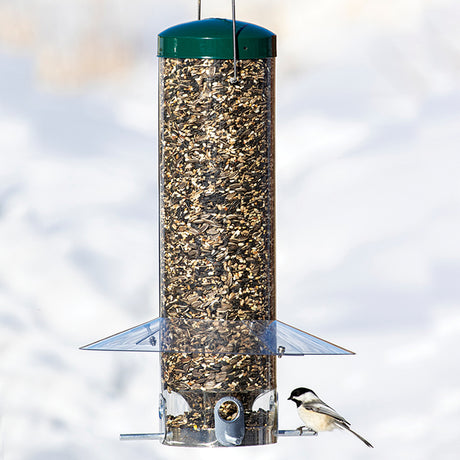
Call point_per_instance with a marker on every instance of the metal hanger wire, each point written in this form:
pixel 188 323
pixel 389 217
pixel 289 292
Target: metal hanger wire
pixel 235 74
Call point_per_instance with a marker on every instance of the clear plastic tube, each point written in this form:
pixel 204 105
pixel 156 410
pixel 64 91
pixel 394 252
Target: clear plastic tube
pixel 217 209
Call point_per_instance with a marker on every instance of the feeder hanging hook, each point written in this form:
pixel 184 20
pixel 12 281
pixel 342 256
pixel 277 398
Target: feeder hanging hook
pixel 235 77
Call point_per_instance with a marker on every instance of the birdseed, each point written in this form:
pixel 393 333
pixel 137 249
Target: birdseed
pixel 217 209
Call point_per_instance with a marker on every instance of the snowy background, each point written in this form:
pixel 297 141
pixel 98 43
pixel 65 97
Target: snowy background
pixel 368 222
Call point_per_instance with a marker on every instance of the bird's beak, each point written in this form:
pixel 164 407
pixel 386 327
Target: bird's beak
pixel 289 398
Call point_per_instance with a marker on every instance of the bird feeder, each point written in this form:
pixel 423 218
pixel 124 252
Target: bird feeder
pixel 217 334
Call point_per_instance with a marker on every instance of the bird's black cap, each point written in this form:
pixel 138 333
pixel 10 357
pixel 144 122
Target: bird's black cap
pixel 298 392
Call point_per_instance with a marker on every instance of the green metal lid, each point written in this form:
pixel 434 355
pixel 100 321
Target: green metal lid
pixel 213 39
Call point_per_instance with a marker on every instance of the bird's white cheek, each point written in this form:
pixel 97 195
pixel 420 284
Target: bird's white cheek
pixel 315 421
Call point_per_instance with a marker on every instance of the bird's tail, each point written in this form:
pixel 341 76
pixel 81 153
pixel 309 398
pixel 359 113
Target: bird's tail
pixel 345 426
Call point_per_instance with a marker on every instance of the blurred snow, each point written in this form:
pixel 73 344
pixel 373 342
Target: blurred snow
pixel 368 218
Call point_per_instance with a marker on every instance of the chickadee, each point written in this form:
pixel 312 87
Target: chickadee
pixel 317 415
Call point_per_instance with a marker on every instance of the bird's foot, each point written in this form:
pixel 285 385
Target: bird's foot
pixel 301 429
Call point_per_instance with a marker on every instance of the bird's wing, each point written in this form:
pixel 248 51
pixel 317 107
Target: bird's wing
pixel 322 408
